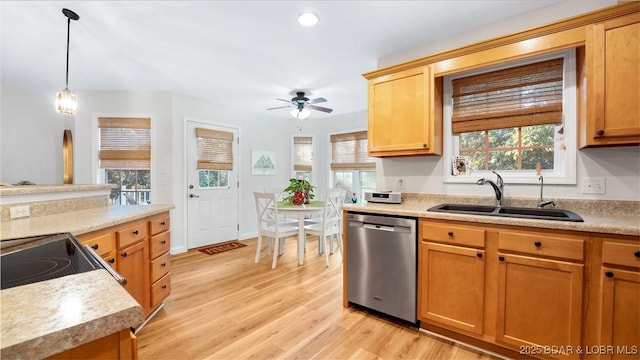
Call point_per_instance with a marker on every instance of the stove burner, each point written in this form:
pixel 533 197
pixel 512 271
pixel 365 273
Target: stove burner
pixel 55 259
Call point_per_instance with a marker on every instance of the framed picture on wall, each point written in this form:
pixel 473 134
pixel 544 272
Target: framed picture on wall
pixel 263 162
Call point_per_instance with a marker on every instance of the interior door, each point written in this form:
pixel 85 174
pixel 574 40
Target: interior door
pixel 212 211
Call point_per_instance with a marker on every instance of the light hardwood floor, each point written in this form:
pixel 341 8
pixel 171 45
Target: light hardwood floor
pixel 224 306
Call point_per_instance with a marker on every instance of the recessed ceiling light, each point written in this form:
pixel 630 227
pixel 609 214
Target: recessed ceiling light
pixel 308 19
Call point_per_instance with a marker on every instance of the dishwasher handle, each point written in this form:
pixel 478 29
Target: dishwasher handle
pixel 379 227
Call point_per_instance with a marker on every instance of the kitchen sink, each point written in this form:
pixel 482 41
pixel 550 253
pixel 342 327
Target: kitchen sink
pixel 516 212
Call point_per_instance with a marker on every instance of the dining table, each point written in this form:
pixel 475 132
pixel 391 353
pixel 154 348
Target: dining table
pixel 301 211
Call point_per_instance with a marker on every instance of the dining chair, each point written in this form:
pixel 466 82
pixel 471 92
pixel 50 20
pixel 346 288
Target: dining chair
pixel 330 224
pixel 269 226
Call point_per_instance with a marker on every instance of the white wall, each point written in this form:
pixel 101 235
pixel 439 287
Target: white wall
pixel 30 137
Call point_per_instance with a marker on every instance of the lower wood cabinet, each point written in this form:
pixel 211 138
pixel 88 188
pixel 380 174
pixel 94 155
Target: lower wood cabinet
pixel 132 264
pixel 139 251
pixel 539 302
pixel 119 345
pixel 619 297
pixel 452 286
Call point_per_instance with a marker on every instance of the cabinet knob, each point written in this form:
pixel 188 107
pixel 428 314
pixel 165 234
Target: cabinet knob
pixel 600 132
pixel 164 286
pixel 112 260
pixel 537 243
pixel 135 232
pixel 501 258
pixel 637 254
pixel 163 242
pixel 608 274
pixel 124 254
pixel 450 233
pixel 95 246
pixel 424 145
pixel 479 255
pixel 162 223
pixel 163 264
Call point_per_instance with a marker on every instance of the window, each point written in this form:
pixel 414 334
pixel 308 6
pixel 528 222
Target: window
pixel 352 168
pixel 515 119
pixel 125 156
pixel 215 158
pixel 302 157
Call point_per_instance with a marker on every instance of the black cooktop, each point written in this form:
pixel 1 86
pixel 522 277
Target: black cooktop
pixel 48 257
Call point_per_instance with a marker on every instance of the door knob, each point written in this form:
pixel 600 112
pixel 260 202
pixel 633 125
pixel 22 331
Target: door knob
pixel 194 196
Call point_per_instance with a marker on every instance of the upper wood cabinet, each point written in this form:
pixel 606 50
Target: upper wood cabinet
pixel 405 113
pixel 612 76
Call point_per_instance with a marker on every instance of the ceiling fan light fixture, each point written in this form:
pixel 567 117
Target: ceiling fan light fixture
pixel 66 101
pixel 308 19
pixel 300 113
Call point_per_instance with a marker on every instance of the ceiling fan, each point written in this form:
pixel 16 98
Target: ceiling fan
pixel 302 104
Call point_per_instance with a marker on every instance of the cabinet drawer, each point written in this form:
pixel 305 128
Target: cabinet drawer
pixel 453 234
pixel 160 244
pixel 102 244
pixel 160 266
pixel 160 290
pixel 621 254
pixel 131 234
pixel 542 244
pixel 160 224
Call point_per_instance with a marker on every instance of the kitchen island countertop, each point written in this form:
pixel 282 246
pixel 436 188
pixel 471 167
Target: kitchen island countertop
pixel 78 222
pixel 48 317
pixel 594 222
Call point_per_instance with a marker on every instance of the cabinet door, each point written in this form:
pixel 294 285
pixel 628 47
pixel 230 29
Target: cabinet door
pixel 620 326
pixel 613 82
pixel 401 120
pixel 132 264
pixel 452 286
pixel 539 302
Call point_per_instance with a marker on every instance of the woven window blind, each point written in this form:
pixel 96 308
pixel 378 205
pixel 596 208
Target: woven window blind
pixel 349 152
pixel 215 149
pixel 520 96
pixel 125 143
pixel 302 153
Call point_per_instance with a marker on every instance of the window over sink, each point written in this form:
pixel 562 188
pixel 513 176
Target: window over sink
pixel 513 118
pixel 352 168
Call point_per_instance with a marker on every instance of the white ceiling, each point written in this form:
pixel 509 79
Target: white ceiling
pixel 238 53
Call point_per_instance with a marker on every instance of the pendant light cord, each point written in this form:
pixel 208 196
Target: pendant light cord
pixel 68 33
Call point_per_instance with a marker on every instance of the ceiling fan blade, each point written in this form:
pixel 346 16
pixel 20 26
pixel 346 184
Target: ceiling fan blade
pixel 279 107
pixel 284 100
pixel 318 100
pixel 320 108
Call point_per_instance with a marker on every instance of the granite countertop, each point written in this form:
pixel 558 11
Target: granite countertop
pixel 610 222
pixel 48 317
pixel 78 222
pixel 40 189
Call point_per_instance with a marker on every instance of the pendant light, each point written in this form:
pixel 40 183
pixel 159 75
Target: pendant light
pixel 66 101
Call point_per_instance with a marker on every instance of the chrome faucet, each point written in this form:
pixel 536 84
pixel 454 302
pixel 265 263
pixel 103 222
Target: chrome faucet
pixel 542 203
pixel 497 186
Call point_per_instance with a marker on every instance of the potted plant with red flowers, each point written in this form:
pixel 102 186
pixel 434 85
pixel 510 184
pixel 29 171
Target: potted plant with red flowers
pixel 300 191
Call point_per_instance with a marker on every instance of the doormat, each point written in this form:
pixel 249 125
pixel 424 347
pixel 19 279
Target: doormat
pixel 218 248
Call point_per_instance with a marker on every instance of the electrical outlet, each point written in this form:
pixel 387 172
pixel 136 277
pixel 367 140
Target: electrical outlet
pixel 594 185
pixel 401 183
pixel 19 211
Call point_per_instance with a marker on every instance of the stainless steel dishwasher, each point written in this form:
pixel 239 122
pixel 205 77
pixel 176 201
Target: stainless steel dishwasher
pixel 382 264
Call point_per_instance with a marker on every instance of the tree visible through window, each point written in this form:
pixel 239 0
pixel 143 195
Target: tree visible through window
pixel 520 148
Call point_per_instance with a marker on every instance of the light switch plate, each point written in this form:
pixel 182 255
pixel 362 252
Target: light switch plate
pixel 401 183
pixel 594 185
